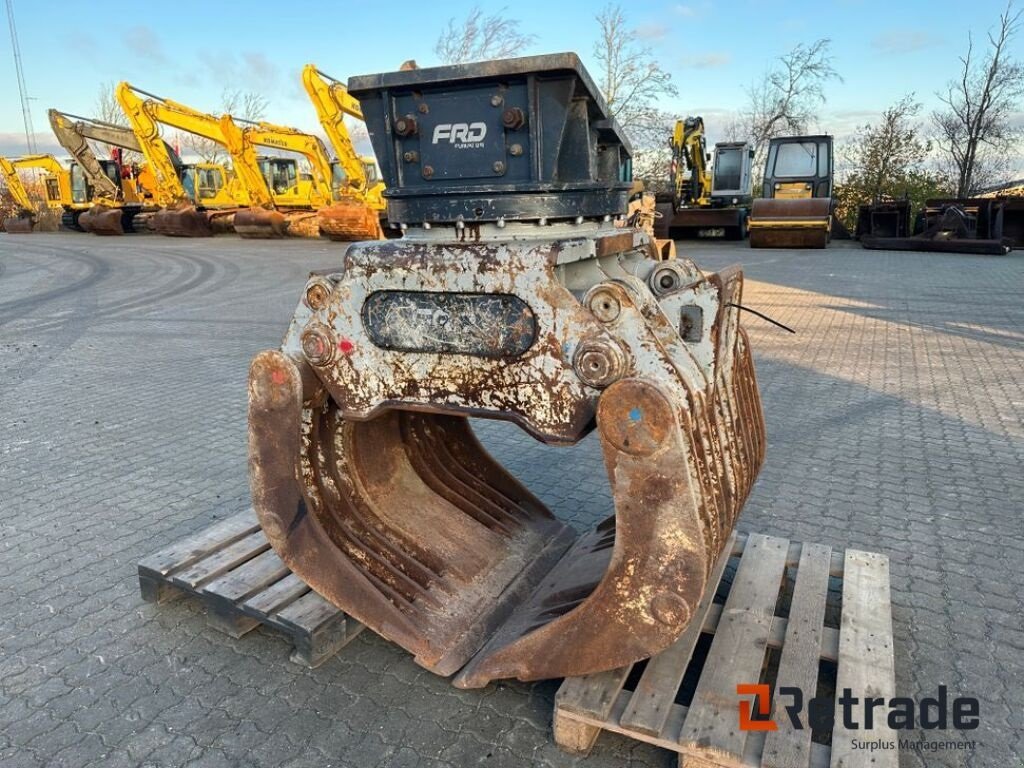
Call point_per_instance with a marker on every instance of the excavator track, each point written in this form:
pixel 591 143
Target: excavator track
pixel 365 474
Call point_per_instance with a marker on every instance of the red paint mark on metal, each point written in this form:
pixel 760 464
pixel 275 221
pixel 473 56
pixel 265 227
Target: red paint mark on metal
pixel 346 346
pixel 278 376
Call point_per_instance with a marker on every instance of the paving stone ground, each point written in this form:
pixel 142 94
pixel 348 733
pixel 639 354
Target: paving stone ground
pixel 895 425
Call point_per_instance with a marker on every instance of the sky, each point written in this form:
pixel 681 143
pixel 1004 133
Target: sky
pixel 191 51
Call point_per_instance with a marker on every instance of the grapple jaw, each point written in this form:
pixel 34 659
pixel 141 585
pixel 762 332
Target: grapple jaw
pixel 366 476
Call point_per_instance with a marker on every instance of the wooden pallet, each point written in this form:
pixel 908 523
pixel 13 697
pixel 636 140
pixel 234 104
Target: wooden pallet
pixel 243 583
pixel 775 621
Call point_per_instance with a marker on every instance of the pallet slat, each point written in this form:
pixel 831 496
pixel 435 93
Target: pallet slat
pixel 244 583
pixel 738 652
pixel 188 551
pixel 222 561
pixel 861 650
pixel 789 747
pixel 866 664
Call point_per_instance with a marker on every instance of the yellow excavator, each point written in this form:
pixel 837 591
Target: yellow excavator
pixel 359 209
pixel 282 201
pixel 796 208
pixel 196 202
pixel 705 201
pixel 121 193
pixel 56 189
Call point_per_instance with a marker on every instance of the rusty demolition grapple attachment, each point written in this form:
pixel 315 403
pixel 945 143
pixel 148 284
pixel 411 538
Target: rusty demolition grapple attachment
pixel 512 295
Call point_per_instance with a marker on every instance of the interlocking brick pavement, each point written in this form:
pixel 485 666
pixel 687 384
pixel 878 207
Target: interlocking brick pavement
pixel 895 425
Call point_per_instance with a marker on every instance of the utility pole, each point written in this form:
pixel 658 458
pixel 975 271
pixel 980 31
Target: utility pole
pixel 26 111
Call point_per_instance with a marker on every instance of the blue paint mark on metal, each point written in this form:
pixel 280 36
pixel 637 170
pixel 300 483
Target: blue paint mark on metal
pixel 636 414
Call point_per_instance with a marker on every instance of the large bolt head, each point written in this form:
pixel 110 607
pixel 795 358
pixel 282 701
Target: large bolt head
pixel 599 363
pixel 318 345
pixel 604 304
pixel 317 295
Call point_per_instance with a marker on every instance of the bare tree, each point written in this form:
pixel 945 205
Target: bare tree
pixel 975 128
pixel 888 160
pixel 632 82
pixel 786 97
pixel 247 105
pixel 106 108
pixel 479 37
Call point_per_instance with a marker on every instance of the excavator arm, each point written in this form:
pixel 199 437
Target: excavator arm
pixel 333 102
pixel 73 133
pixel 57 188
pixel 291 140
pixel 689 150
pixel 15 185
pixel 162 160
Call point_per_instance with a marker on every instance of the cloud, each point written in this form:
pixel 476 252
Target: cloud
pixel 686 11
pixel 902 41
pixel 12 144
pixel 707 60
pixel 652 31
pixel 144 42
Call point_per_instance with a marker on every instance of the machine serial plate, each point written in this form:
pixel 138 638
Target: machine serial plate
pixel 478 324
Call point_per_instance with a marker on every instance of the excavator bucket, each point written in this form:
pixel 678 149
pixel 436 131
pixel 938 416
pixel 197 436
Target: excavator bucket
pixel 366 475
pixel 350 220
pixel 260 223
pixel 181 221
pixel 790 223
pixel 106 220
pixel 20 224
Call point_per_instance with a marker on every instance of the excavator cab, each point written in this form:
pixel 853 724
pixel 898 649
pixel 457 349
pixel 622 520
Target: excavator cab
pixel 796 208
pixel 730 173
pixel 511 295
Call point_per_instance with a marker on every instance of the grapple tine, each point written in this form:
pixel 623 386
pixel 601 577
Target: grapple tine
pixel 366 476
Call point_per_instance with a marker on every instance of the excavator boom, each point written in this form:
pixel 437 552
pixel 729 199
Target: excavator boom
pixel 356 215
pixel 180 215
pixel 57 188
pixel 118 197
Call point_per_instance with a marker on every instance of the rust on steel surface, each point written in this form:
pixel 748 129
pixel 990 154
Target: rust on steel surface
pixel 21 224
pixel 349 220
pixel 103 220
pixel 181 221
pixel 260 223
pixel 371 486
